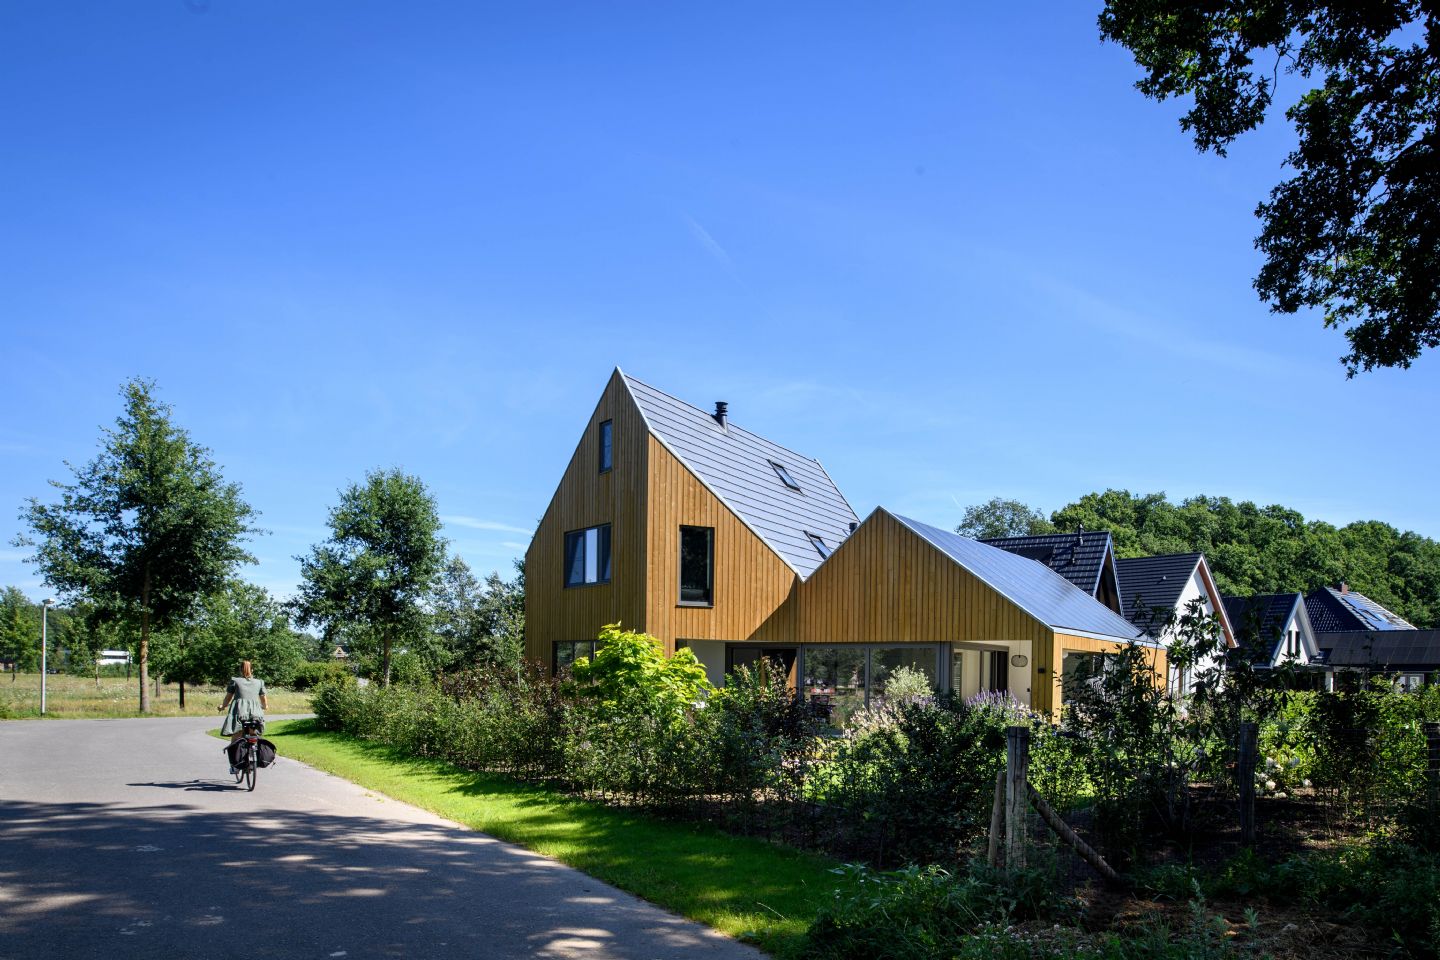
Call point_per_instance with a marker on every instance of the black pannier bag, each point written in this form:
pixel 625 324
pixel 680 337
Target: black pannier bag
pixel 265 752
pixel 236 752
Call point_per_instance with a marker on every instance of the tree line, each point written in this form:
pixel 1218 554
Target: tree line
pixel 1251 549
pixel 144 543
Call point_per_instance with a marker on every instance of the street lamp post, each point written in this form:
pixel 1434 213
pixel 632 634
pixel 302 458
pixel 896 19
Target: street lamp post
pixel 44 648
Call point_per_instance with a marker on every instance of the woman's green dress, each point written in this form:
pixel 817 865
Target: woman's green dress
pixel 247 692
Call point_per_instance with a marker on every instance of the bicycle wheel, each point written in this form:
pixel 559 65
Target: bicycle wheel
pixel 250 775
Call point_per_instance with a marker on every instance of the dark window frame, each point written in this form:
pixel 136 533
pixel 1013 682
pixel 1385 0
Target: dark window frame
pixel 575 654
pixel 606 445
pixel 784 474
pixel 821 547
pixel 709 568
pixel 604 562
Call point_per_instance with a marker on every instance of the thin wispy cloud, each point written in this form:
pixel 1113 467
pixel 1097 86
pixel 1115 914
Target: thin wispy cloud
pixel 475 523
pixel 711 246
pixel 1159 332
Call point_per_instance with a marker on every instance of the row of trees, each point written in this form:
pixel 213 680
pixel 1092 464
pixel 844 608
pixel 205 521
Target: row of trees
pixel 1251 549
pixel 146 540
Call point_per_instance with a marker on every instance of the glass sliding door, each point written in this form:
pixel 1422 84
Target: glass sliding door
pixel 884 661
pixel 835 680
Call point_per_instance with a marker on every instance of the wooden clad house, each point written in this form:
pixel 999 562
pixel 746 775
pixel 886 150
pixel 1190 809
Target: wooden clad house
pixel 678 522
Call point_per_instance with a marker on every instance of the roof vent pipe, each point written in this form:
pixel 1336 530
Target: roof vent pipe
pixel 722 412
pixel 854 526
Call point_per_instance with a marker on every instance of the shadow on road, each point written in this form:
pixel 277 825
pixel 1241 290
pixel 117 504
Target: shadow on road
pixel 209 786
pixel 175 880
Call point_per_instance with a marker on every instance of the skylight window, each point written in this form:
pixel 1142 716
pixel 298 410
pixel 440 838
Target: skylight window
pixel 819 544
pixel 784 475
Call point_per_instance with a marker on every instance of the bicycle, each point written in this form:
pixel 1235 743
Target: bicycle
pixel 248 753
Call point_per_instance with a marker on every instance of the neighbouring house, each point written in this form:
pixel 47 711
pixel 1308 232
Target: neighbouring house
pixel 1278 623
pixel 1086 559
pixel 1409 657
pixel 1340 610
pixel 678 522
pixel 1156 591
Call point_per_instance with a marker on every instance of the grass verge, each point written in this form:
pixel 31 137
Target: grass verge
pixel 70 697
pixel 760 892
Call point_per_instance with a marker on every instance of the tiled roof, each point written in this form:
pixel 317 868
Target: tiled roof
pixel 735 465
pixel 1382 649
pixel 1332 611
pixel 1261 617
pixel 1034 587
pixel 1150 587
pixel 1078 557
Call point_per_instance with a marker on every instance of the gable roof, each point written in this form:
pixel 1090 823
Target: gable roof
pixel 1078 557
pixel 736 466
pixel 1334 611
pixel 1382 649
pixel 1150 587
pixel 1034 587
pixel 1262 617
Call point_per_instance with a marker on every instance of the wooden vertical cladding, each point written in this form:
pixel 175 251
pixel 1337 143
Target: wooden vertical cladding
pixel 886 584
pixel 751 582
pixel 586 497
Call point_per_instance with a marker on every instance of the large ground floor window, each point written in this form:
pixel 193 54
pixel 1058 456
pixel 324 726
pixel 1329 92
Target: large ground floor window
pixel 840 680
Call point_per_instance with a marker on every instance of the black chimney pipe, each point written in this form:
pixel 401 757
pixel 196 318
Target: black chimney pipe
pixel 722 412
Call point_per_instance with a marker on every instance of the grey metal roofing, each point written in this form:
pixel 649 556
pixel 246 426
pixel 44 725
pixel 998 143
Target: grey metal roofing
pixel 1078 557
pixel 1261 617
pixel 1382 649
pixel 735 464
pixel 1150 587
pixel 1034 587
pixel 1332 611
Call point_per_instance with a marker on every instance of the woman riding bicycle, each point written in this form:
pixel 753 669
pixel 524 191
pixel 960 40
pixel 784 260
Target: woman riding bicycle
pixel 245 696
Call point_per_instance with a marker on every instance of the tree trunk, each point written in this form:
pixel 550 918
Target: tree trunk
pixel 97 673
pixel 145 645
pixel 385 661
pixel 182 694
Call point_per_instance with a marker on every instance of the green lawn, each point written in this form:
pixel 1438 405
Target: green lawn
pixel 79 698
pixel 743 887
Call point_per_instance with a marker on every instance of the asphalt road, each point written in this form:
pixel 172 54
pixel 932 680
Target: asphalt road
pixel 127 838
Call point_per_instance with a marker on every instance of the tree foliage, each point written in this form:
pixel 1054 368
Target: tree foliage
pixel 999 517
pixel 146 530
pixel 241 622
pixel 1271 549
pixel 370 582
pixel 479 623
pixel 1356 230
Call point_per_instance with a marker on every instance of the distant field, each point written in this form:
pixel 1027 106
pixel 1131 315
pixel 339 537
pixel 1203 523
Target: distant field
pixel 70 697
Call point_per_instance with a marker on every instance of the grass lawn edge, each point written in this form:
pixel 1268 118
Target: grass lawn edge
pixel 756 891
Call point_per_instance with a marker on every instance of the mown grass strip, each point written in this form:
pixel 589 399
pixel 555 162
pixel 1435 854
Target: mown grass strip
pixel 763 893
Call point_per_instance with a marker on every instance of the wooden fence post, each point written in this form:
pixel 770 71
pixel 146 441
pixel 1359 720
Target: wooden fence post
pixel 1245 777
pixel 1432 768
pixel 1017 801
pixel 997 821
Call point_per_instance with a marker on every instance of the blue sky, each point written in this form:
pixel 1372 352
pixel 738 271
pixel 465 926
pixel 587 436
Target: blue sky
pixel 950 252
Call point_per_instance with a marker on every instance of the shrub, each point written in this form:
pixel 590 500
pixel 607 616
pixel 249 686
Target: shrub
pixel 925 912
pixel 315 672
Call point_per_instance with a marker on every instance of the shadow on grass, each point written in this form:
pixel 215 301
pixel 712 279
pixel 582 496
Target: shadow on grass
pixel 742 886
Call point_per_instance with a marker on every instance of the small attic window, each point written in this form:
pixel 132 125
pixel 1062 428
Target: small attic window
pixel 784 475
pixel 819 544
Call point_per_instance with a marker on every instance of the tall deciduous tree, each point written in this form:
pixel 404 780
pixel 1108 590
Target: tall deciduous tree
pixel 1002 518
pixel 241 622
pixel 376 572
pixel 1356 231
pixel 146 529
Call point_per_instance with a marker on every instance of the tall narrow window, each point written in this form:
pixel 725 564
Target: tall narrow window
pixel 607 445
pixel 587 556
pixel 818 542
pixel 697 566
